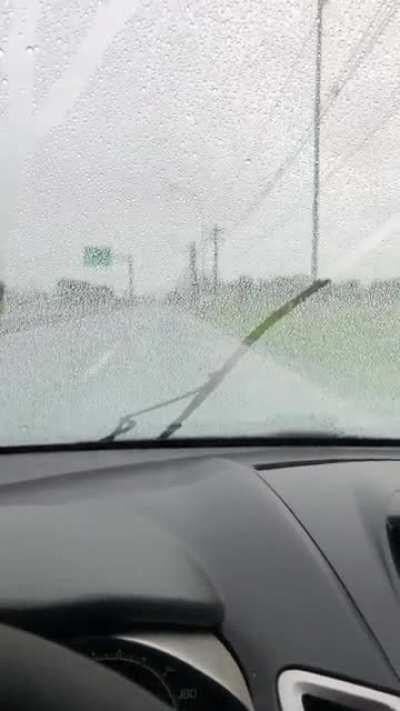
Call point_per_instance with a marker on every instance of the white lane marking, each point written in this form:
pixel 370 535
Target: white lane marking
pixel 100 363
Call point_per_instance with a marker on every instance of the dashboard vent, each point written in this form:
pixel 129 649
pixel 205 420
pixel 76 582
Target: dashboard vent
pixel 304 691
pixel 313 703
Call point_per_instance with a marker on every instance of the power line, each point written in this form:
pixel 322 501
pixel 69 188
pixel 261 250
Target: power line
pixel 329 174
pixel 362 52
pixel 377 127
pixel 285 84
pixel 390 113
pixel 291 158
pixel 274 179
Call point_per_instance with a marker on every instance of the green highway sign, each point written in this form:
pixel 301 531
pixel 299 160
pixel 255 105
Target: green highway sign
pixel 97 256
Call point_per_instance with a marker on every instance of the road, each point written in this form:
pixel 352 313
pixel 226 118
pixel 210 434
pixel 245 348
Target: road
pixel 24 317
pixel 71 381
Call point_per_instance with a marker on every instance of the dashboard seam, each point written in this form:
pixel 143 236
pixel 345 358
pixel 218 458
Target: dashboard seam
pixel 315 462
pixel 332 569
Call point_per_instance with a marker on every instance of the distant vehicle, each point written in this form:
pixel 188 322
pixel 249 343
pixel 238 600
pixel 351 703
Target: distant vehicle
pixel 83 292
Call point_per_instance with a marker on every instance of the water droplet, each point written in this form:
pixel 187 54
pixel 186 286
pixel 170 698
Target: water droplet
pixel 29 49
pixel 1 52
pixel 247 161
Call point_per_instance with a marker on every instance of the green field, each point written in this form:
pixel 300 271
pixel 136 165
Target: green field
pixel 352 349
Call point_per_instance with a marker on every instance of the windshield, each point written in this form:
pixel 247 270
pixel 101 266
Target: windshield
pixel 174 173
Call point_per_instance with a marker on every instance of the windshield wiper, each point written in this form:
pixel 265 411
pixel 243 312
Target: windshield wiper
pixel 199 394
pixel 216 378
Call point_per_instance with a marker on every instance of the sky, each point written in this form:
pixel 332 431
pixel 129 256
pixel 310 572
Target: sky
pixel 142 124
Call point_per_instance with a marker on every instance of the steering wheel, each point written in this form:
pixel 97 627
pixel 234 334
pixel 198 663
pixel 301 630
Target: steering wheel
pixel 36 674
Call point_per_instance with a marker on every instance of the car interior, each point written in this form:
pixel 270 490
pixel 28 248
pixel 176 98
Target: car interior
pixel 199 223
pixel 238 577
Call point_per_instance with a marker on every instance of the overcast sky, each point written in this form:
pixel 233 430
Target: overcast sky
pixel 140 124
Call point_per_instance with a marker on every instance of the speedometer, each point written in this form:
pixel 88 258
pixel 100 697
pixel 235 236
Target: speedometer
pixel 187 672
pixel 140 670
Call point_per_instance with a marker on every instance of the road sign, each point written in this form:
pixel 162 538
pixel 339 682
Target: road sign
pixel 97 256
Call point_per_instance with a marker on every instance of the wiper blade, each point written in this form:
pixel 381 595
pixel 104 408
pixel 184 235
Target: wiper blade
pixel 218 376
pixel 199 394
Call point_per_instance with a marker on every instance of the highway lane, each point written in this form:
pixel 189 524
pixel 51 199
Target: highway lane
pixel 72 381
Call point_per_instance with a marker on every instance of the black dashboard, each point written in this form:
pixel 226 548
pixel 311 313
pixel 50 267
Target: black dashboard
pixel 237 578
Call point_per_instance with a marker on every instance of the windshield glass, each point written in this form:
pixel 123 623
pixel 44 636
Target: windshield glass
pixel 173 172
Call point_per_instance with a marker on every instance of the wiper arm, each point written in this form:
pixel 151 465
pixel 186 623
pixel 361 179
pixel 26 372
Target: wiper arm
pixel 128 422
pixel 218 376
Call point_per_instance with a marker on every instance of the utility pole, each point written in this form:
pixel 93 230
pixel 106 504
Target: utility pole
pixel 317 132
pixel 196 200
pixel 193 270
pixel 131 292
pixel 216 238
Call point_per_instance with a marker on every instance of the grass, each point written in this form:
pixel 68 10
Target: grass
pixel 352 348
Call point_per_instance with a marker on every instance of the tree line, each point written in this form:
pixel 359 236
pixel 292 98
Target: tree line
pixel 378 291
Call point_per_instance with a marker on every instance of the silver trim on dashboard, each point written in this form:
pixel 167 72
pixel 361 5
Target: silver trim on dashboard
pixel 204 653
pixel 294 684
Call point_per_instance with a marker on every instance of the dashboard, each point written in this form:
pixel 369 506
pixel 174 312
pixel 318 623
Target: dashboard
pixel 227 578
